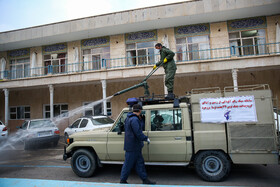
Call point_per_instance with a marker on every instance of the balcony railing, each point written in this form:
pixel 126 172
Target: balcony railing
pixel 181 56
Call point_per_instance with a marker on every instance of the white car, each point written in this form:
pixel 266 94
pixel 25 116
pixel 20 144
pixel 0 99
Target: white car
pixel 88 123
pixel 3 131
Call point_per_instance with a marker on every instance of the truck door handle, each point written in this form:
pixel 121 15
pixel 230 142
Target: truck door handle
pixel 178 138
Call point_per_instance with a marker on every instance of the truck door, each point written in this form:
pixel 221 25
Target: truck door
pixel 168 140
pixel 115 145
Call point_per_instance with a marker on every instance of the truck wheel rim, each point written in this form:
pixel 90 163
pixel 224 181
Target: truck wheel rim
pixel 212 165
pixel 83 163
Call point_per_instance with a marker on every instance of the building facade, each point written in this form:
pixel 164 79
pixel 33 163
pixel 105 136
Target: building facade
pixel 55 70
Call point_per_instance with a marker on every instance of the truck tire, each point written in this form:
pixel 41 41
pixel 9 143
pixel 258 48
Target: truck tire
pixel 83 163
pixel 212 166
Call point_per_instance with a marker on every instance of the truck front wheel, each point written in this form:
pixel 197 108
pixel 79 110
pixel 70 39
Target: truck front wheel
pixel 83 163
pixel 212 165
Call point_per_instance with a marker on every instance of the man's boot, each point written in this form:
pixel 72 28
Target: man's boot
pixel 147 181
pixel 170 95
pixel 123 182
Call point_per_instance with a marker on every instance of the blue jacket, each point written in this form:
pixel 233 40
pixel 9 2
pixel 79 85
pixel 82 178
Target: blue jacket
pixel 134 137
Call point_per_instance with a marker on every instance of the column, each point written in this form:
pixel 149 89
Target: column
pixel 51 88
pixel 6 93
pixel 165 88
pixel 234 78
pixel 104 86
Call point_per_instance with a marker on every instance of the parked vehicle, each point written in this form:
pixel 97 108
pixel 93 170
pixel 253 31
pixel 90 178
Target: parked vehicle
pixel 88 123
pixel 38 131
pixel 209 129
pixel 3 131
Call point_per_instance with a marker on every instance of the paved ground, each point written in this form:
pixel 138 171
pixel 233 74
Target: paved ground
pixel 46 164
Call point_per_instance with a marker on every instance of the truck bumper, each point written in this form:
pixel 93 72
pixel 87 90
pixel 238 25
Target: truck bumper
pixel 66 155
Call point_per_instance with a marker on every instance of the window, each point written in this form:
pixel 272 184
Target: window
pixel 24 125
pixel 20 112
pixel 96 109
pixel 58 110
pixel 119 127
pixel 20 68
pixel 55 63
pixel 166 120
pixel 76 124
pixel 249 42
pixel 140 53
pixel 193 48
pixel 92 58
pixel 84 123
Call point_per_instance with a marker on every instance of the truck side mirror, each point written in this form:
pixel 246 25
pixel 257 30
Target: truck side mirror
pixel 121 128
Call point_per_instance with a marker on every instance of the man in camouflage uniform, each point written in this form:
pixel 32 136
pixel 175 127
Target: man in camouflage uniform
pixel 166 58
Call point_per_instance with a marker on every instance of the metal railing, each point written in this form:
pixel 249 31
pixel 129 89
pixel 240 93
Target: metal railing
pixel 180 56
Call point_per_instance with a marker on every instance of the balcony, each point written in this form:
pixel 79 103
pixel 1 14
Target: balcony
pixel 232 52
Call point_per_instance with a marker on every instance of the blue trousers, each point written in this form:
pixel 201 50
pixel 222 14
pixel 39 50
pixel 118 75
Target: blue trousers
pixel 133 160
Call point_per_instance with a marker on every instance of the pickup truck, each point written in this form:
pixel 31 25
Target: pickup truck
pixel 209 129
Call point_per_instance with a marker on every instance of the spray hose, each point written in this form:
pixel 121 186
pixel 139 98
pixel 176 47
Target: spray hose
pixel 141 84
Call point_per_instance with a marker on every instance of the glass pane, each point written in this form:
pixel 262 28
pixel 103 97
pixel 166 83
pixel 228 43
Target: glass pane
pixel 247 47
pixel 64 107
pixel 193 51
pixel 19 71
pixel 98 109
pixel 198 39
pixel 204 52
pixel 56 110
pixel 13 116
pixel 102 121
pixel 86 51
pixel 106 49
pixel 48 114
pixel 27 115
pixel 61 55
pixel 55 64
pixel 130 46
pixel 145 45
pixel 119 127
pixel 261 32
pixel 131 58
pixel 12 61
pixel 234 35
pixel 260 46
pixel 26 70
pixel 84 123
pixel 27 109
pixel 13 109
pixel 180 40
pixel 97 50
pixel 166 120
pixel 76 124
pixel 108 104
pixel 96 62
pixel 88 113
pixel 142 56
pixel 151 56
pixel 47 108
pixel 251 33
pixel 47 57
pixel 20 112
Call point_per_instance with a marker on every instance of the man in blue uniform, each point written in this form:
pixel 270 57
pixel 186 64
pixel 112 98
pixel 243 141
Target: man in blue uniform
pixel 133 144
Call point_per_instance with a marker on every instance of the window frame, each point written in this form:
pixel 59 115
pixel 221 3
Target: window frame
pixel 16 112
pixel 61 111
pixel 241 47
pixel 62 68
pixel 103 53
pixel 86 109
pixel 180 54
pixel 21 72
pixel 148 59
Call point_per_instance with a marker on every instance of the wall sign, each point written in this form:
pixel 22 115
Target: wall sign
pixel 228 109
pixel 141 36
pixel 192 30
pixel 247 23
pixel 96 42
pixel 55 48
pixel 19 53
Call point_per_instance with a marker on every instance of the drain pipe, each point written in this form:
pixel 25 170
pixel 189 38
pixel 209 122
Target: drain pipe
pixel 234 77
pixel 6 93
pixel 51 89
pixel 104 86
